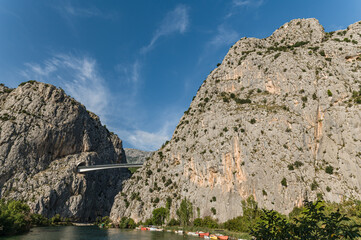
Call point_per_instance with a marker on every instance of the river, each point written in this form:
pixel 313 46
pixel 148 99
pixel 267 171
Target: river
pixel 95 233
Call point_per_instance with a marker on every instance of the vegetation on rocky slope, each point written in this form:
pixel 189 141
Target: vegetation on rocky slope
pixel 278 119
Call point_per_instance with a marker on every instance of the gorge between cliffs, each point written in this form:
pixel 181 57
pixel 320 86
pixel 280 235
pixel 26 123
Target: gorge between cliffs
pixel 278 121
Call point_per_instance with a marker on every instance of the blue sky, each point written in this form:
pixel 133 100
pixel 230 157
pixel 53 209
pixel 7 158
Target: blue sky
pixel 137 64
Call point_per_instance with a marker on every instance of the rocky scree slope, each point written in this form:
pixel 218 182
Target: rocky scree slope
pixel 278 119
pixel 45 135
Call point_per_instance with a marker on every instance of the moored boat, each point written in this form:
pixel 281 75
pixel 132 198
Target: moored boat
pixel 213 237
pixel 143 228
pixel 223 237
pixel 202 234
pixel 192 234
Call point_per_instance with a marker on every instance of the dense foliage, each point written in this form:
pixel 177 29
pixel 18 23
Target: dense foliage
pixel 15 217
pixel 127 223
pixel 313 223
pixel 160 215
pixel 206 222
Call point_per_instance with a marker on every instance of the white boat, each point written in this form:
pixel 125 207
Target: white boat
pixel 192 234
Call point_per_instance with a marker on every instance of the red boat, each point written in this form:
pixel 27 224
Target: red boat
pixel 223 237
pixel 203 234
pixel 143 229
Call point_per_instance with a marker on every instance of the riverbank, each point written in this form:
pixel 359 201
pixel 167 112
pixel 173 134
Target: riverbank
pixel 193 231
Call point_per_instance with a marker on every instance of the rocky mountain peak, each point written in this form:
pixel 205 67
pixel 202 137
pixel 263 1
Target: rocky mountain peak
pixel 299 30
pixel 44 135
pixel 277 120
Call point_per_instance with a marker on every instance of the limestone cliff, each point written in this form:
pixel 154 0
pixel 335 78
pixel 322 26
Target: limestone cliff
pixel 136 156
pixel 279 120
pixel 45 135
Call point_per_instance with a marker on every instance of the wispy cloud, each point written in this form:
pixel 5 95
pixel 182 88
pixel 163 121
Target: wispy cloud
pixel 78 75
pixel 69 11
pixel 82 12
pixel 175 21
pixel 224 36
pixel 239 4
pixel 243 3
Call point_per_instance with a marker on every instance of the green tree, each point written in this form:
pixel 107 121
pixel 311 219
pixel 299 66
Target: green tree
pixel 272 226
pixel 251 215
pixel 313 223
pixel 185 212
pixel 14 217
pixel 159 215
pixel 127 223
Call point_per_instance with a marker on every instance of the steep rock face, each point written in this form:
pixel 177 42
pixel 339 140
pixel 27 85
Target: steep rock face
pixel 45 135
pixel 136 156
pixel 278 120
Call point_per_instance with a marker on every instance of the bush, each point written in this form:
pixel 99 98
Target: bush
pixel 148 222
pixel 298 164
pixel 329 169
pixel 39 220
pixel 214 211
pixel 284 182
pixel 14 217
pixel 314 185
pixel 173 222
pixel 198 222
pixel 127 223
pixel 329 93
pixel 253 121
pixel 206 222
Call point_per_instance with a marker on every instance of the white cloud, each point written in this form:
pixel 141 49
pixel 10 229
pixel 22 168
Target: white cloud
pixel 224 36
pixel 243 3
pixel 82 12
pixel 150 140
pixel 78 76
pixel 238 4
pixel 175 21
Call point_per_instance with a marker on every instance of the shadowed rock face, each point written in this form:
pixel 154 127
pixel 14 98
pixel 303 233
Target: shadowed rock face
pixel 277 110
pixel 45 134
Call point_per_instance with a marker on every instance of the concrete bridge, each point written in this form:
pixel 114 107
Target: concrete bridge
pixel 82 169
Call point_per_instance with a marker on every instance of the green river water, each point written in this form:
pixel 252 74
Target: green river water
pixel 94 233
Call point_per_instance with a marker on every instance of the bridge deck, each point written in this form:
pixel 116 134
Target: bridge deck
pixel 106 166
